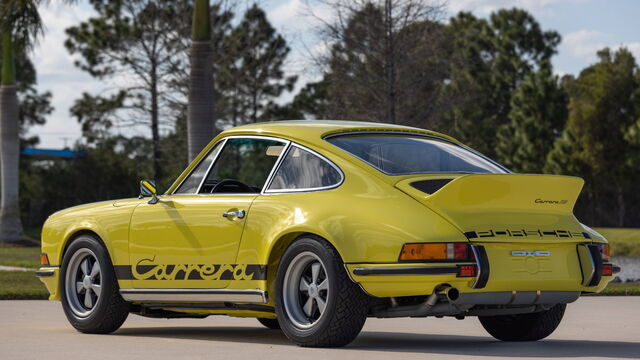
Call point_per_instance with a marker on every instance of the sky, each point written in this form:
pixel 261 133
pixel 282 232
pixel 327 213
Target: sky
pixel 585 27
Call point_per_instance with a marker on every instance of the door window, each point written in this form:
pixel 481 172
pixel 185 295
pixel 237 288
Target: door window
pixel 242 166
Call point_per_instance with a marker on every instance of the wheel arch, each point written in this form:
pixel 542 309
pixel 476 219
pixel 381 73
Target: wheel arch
pixel 76 233
pixel 280 245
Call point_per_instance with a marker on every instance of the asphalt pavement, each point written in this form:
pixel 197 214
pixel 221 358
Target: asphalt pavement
pixel 593 327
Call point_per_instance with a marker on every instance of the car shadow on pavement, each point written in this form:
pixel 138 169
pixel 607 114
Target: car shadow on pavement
pixel 488 346
pixel 378 341
pixel 256 335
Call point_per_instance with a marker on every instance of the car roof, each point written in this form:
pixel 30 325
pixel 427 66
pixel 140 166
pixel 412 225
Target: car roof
pixel 313 131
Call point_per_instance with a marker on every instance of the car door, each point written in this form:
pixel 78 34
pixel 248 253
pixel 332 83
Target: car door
pixel 190 239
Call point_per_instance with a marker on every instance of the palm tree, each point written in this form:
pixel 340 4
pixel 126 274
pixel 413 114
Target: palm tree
pixel 200 115
pixel 21 26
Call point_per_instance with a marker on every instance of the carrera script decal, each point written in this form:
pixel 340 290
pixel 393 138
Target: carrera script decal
pixel 146 269
pixel 526 233
pixel 556 202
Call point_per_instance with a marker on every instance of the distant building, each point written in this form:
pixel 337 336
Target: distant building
pixel 50 154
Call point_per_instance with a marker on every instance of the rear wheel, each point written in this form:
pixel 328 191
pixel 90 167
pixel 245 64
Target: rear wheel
pixel 270 323
pixel 524 327
pixel 90 294
pixel 316 303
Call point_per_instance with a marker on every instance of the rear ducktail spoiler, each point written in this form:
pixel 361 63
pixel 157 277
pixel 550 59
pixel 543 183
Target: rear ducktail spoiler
pixel 503 207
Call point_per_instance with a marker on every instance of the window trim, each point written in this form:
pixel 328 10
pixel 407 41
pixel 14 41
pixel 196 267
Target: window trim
pixel 412 134
pixel 221 142
pixel 267 191
pixel 285 142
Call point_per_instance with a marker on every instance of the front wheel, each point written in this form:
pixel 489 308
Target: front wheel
pixel 316 303
pixel 90 293
pixel 524 327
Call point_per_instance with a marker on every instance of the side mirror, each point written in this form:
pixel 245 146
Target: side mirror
pixel 148 189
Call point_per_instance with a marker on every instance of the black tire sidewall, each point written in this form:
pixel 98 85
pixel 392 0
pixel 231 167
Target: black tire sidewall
pixel 107 282
pixel 333 271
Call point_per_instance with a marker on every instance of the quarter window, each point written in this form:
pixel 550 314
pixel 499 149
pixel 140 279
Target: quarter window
pixel 191 183
pixel 300 169
pixel 243 166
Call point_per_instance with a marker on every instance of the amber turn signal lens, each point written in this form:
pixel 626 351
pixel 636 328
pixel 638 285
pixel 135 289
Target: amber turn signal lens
pixel 434 251
pixel 605 251
pixel 44 259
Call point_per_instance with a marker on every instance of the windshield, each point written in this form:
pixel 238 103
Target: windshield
pixel 401 154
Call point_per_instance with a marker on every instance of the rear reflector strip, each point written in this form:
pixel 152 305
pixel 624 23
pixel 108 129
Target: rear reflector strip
pixel 607 270
pixel 467 270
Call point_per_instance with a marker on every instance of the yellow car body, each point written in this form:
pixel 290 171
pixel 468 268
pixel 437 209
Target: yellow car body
pixel 184 242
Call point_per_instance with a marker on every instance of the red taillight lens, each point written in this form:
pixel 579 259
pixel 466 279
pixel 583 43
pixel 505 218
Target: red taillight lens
pixel 434 251
pixel 467 271
pixel 607 270
pixel 460 251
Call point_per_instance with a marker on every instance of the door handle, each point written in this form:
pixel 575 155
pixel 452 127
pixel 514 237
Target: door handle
pixel 239 214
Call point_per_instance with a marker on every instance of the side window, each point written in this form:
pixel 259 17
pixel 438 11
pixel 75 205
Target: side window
pixel 242 166
pixel 301 169
pixel 193 180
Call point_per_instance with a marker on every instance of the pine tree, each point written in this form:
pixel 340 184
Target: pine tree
pixel 252 77
pixel 599 142
pixel 537 117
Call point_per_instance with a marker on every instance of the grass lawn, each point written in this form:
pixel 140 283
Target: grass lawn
pixel 629 288
pixel 21 285
pixel 28 257
pixel 623 241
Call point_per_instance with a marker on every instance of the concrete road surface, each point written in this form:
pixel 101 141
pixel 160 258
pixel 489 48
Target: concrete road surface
pixel 593 327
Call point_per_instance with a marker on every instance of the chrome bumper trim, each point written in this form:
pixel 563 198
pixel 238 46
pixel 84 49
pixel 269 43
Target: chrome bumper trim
pixel 45 273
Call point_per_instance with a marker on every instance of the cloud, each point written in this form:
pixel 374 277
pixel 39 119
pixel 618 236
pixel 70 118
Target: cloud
pixel 584 44
pixel 58 74
pixel 485 7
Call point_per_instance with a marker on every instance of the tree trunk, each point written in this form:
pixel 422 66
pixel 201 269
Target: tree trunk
pixel 391 65
pixel 155 132
pixel 10 224
pixel 200 117
pixel 622 209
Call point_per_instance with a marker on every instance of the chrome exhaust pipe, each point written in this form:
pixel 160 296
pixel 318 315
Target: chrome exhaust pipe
pixel 452 294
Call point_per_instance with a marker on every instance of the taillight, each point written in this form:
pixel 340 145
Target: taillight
pixel 434 251
pixel 467 271
pixel 605 251
pixel 607 270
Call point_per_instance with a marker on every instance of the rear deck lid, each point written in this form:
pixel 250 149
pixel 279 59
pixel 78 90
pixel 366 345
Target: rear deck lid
pixel 503 207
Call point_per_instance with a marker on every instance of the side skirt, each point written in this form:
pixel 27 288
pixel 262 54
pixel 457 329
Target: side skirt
pixel 194 295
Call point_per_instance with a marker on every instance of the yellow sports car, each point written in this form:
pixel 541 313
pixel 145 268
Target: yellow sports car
pixel 313 226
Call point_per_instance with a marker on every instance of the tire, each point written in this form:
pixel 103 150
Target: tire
pixel 105 311
pixel 345 304
pixel 524 327
pixel 270 323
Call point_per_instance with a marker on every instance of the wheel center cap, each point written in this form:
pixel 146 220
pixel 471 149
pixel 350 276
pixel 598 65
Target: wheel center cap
pixel 86 282
pixel 313 290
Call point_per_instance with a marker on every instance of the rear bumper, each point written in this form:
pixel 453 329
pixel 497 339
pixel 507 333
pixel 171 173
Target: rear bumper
pixel 506 277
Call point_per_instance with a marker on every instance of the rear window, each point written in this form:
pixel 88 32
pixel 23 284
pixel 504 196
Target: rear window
pixel 400 155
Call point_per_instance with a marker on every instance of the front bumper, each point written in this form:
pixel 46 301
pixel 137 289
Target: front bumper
pixel 49 275
pixel 499 272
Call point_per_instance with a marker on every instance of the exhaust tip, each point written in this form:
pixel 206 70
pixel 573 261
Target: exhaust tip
pixel 452 294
